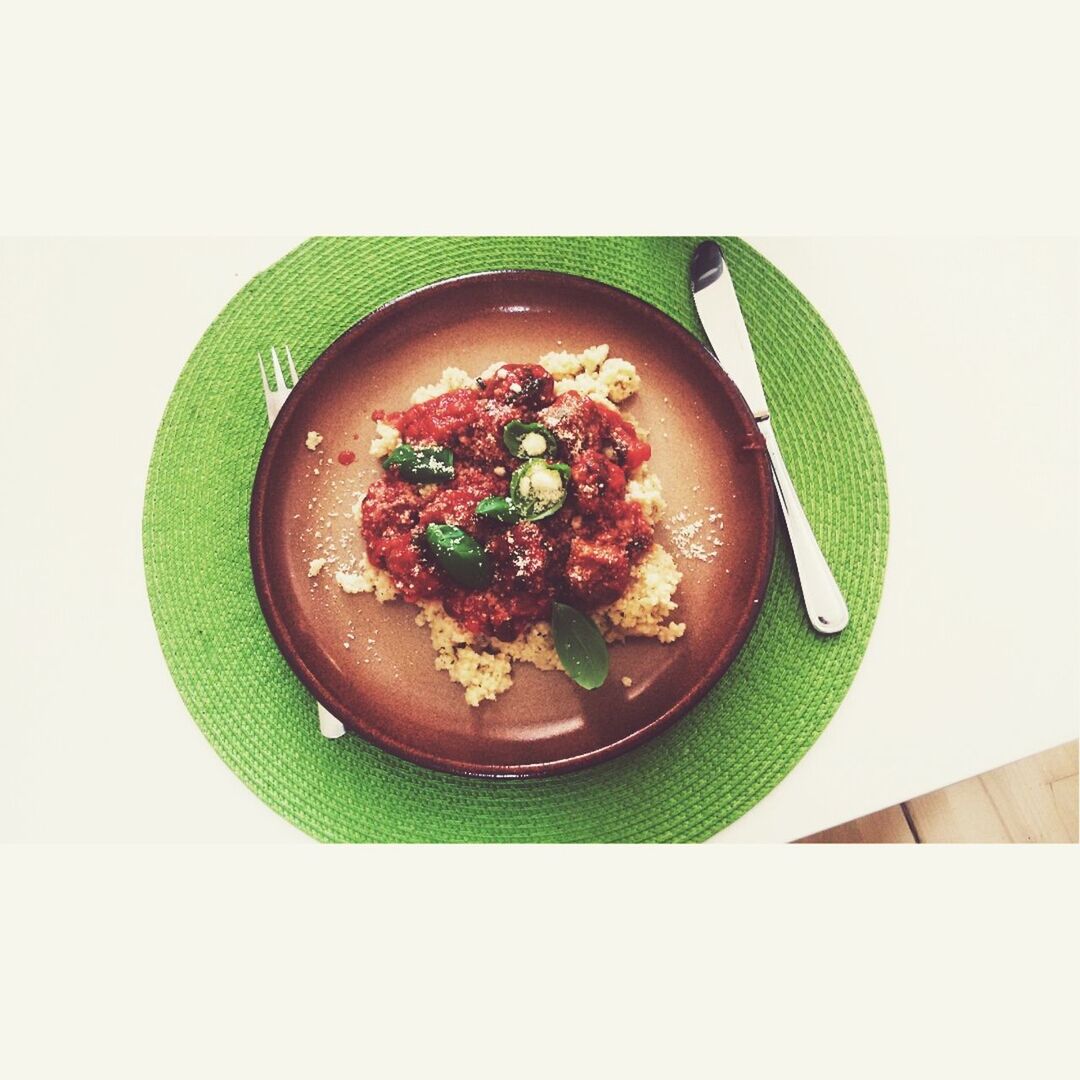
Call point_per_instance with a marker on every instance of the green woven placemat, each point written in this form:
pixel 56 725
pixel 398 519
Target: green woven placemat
pixel 688 783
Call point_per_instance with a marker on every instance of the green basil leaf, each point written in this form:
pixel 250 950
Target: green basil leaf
pixel 515 432
pixel 421 464
pixel 400 456
pixel 581 648
pixel 533 503
pixel 498 509
pixel 458 554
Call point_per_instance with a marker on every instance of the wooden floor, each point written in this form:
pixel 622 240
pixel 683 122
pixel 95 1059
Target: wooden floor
pixel 1033 801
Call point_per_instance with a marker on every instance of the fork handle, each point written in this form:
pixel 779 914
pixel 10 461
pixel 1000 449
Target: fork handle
pixel 330 725
pixel 825 606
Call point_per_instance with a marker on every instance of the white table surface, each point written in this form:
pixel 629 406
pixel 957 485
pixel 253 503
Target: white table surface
pixel 967 350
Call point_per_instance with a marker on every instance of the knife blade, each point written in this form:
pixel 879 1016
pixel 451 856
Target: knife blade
pixel 721 316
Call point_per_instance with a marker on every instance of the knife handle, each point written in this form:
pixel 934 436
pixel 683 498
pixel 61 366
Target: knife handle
pixel 824 602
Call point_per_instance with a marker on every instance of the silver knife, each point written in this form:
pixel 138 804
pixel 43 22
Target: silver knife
pixel 720 314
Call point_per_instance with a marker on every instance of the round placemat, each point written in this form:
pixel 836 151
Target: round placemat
pixel 686 784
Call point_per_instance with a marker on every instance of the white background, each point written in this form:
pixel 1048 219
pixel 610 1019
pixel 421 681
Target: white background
pixel 967 352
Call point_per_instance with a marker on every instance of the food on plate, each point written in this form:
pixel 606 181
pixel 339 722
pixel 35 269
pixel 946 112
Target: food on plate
pixel 516 510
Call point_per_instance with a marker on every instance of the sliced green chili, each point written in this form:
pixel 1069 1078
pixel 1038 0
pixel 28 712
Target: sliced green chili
pixel 516 433
pixel 532 491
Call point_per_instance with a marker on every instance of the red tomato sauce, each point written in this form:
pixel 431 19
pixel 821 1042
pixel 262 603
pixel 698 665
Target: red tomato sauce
pixel 581 555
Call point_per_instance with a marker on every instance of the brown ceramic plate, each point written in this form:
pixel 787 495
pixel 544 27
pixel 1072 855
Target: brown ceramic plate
pixel 370 664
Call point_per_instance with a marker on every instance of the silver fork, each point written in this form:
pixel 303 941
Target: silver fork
pixel 329 725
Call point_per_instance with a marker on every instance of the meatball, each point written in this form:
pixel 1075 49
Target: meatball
pixel 526 385
pixel 389 507
pixel 634 529
pixel 597 572
pixel 575 421
pixel 595 479
pixel 485 442
pixel 521 558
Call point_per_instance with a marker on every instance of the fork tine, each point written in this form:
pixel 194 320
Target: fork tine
pixel 277 371
pixel 266 385
pixel 292 366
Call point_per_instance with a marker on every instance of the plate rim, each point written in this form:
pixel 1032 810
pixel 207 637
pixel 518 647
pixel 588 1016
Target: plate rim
pixel 278 625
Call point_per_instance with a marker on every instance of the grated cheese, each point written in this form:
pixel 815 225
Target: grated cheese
pixel 688 539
